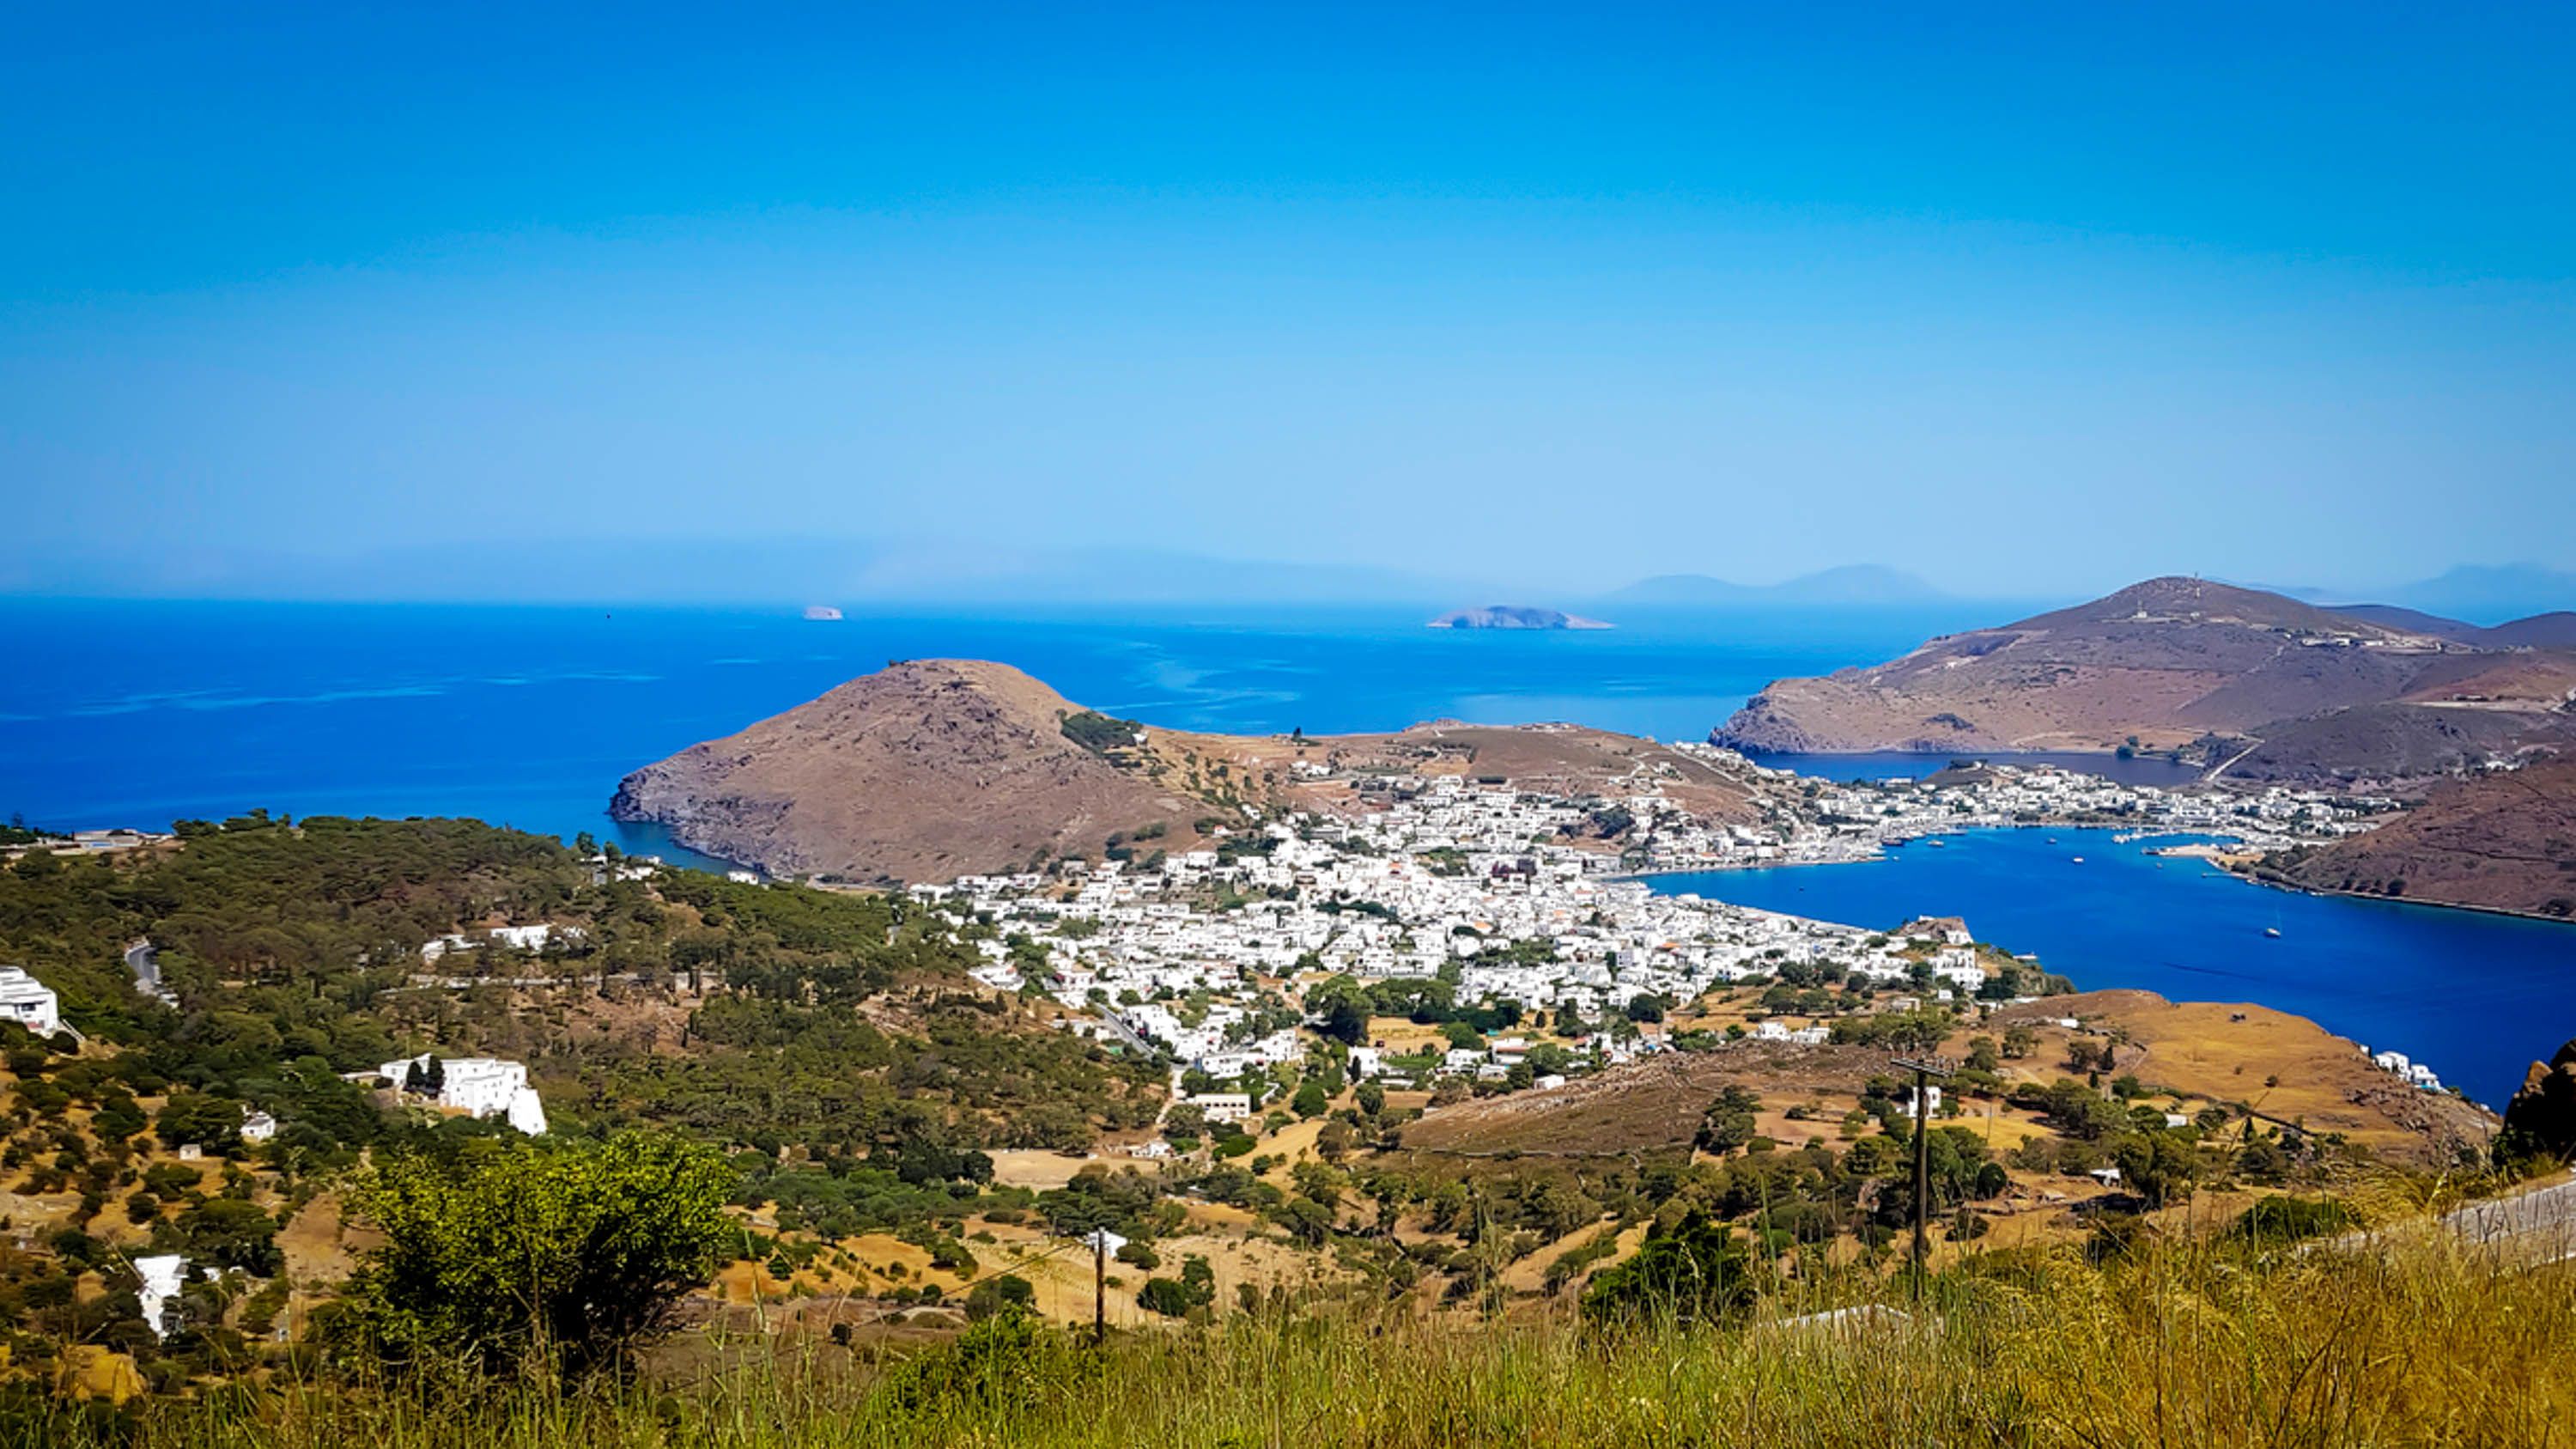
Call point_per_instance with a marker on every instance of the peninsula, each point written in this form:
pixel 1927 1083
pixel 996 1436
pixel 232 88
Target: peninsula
pixel 2255 685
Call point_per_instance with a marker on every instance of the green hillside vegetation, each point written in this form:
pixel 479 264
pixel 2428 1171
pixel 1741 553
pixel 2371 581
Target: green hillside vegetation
pixel 806 1068
pixel 830 1043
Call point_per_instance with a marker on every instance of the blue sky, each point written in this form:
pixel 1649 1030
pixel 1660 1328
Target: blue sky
pixel 1558 296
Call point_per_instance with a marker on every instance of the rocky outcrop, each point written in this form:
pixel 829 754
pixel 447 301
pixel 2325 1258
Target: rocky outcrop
pixel 2541 1118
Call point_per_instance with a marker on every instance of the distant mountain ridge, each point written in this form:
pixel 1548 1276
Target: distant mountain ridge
pixel 1848 585
pixel 2497 592
pixel 2271 686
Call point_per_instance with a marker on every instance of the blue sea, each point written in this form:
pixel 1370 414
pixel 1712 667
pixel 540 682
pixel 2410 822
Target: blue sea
pixel 2476 997
pixel 126 713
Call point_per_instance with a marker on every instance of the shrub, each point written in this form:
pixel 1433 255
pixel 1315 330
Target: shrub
pixel 572 1254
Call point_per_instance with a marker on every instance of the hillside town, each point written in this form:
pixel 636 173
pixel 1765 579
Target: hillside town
pixel 1504 896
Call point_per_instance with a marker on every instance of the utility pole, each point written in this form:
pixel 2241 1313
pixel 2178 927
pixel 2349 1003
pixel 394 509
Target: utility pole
pixel 1103 1243
pixel 1924 1068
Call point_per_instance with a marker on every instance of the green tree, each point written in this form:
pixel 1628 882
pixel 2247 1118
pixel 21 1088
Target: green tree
pixel 1310 1100
pixel 232 1233
pixel 1728 1123
pixel 570 1256
pixel 995 1294
pixel 1695 1271
pixel 1169 1297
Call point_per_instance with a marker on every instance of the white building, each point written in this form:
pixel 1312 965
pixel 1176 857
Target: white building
pixel 483 1086
pixel 1223 1106
pixel 161 1277
pixel 29 1002
pixel 517 938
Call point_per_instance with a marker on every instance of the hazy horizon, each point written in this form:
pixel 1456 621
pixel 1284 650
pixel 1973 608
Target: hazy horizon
pixel 1503 308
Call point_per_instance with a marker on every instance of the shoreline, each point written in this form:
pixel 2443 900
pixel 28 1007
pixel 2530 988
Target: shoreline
pixel 2218 857
pixel 2295 889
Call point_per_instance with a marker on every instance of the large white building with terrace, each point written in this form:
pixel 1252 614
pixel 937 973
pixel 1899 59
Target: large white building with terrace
pixel 484 1086
pixel 29 1002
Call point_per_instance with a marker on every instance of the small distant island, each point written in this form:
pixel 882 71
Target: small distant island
pixel 1514 616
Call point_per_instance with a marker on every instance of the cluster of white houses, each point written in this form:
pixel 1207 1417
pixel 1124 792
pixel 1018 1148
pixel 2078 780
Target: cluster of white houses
pixel 1175 955
pixel 1452 878
pixel 1856 821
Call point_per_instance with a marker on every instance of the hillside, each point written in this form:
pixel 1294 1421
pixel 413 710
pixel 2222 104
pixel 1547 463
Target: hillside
pixel 2186 665
pixel 934 769
pixel 2194 1054
pixel 833 1040
pixel 2503 841
pixel 929 769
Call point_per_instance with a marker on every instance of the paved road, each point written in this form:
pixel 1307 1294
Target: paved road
pixel 144 960
pixel 2539 1224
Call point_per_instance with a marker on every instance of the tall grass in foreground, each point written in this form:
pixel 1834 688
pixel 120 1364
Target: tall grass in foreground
pixel 2422 1343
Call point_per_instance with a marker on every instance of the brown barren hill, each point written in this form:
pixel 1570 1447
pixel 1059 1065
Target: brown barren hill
pixel 2176 662
pixel 2502 841
pixel 928 770
pixel 938 768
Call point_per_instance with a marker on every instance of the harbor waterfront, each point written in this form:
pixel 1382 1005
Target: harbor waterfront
pixel 2476 997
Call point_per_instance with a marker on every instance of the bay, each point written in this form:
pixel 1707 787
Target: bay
pixel 2476 997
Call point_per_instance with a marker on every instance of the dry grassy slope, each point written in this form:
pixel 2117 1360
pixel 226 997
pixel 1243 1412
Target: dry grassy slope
pixel 2166 661
pixel 2225 1051
pixel 2502 841
pixel 933 769
pixel 2212 1052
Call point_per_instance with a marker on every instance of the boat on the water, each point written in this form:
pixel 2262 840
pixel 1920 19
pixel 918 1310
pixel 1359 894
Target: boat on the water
pixel 2272 931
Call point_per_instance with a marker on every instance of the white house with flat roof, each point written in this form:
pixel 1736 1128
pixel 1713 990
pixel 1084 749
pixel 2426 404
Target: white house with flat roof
pixel 29 1002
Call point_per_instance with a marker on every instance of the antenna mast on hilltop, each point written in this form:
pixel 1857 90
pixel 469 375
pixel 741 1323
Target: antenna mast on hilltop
pixel 1924 1068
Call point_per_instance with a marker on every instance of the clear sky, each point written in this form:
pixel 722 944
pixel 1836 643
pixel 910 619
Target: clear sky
pixel 2065 294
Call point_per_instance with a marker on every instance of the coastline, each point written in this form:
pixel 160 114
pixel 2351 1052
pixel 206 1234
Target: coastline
pixel 2243 874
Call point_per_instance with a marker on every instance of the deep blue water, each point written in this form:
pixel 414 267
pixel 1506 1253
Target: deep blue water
pixel 140 713
pixel 2476 997
pixel 1890 766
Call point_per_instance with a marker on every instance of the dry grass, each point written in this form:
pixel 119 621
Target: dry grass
pixel 2424 1343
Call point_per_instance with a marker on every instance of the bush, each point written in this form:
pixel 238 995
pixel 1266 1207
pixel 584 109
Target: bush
pixel 1169 1297
pixel 994 1295
pixel 569 1254
pixel 1696 1271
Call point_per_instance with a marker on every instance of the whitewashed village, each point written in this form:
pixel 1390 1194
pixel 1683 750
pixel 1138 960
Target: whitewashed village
pixel 1204 956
